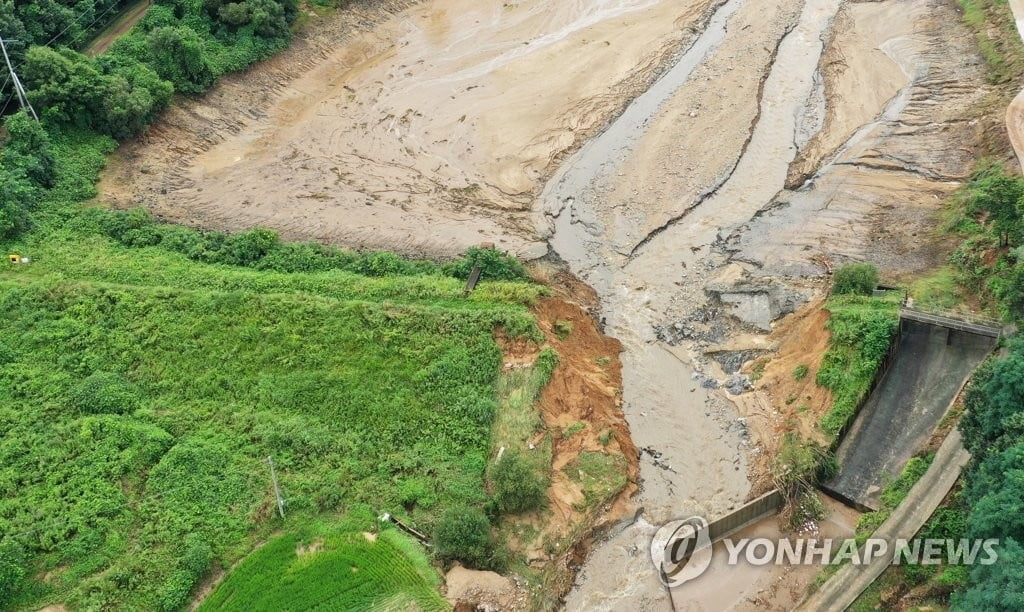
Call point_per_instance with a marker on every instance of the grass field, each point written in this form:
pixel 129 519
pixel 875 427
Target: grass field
pixel 141 392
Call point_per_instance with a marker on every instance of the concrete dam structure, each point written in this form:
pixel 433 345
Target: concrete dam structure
pixel 931 363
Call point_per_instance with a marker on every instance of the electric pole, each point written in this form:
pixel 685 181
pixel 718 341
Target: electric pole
pixel 277 489
pixel 18 88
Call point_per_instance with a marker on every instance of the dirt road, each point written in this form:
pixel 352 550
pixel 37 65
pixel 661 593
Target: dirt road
pixel 703 205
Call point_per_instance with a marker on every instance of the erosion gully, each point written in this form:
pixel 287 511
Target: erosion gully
pixel 649 242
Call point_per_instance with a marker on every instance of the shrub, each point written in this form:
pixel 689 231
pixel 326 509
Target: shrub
pixel 104 393
pixel 247 248
pixel 464 534
pixel 857 279
pixel 494 265
pixel 12 570
pixel 800 372
pixel 517 485
pixel 547 361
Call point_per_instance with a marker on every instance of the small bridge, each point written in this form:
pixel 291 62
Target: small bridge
pixel 955 320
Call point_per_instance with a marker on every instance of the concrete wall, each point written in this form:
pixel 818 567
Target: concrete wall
pixel 928 369
pixel 748 514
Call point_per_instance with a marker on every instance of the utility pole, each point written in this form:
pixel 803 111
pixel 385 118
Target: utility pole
pixel 18 87
pixel 277 489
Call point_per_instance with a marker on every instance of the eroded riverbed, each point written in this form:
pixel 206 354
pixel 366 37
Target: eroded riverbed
pixel 701 163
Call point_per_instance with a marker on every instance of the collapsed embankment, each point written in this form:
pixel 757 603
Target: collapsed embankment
pixel 711 207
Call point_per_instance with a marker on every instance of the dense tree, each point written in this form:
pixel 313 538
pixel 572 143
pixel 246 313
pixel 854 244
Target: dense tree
pixel 998 195
pixel 995 492
pixel 997 586
pixel 28 148
pixel 115 98
pixel 18 196
pixel 268 18
pixel 178 55
pixel 995 394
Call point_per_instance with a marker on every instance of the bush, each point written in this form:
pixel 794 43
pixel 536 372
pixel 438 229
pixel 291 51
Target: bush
pixel 517 486
pixel 464 534
pixel 12 570
pixel 856 279
pixel 494 265
pixel 800 372
pixel 105 393
pixel 547 361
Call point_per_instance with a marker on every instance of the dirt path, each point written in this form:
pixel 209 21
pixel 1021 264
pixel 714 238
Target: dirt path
pixel 122 24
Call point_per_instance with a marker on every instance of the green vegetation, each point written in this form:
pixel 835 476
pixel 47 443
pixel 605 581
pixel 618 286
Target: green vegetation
pixel 563 329
pixel 861 333
pixel 997 38
pixel 892 495
pixel 800 372
pixel 855 279
pixel 939 291
pixel 519 478
pixel 344 564
pixel 600 475
pixel 148 371
pixel 993 431
pixel 518 485
pixel 988 216
pixel 573 429
pixel 464 533
pixel 797 468
pixel 179 46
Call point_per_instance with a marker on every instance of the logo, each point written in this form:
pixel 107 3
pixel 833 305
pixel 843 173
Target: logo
pixel 681 550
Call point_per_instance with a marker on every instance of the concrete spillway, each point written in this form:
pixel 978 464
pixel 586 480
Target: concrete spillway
pixel 930 365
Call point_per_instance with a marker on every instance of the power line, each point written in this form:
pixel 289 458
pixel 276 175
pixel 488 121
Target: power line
pixel 86 29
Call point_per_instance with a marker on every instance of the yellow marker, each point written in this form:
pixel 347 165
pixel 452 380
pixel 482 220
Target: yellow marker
pixel 14 258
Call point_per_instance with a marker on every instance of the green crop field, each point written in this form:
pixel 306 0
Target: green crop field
pixel 143 385
pixel 343 567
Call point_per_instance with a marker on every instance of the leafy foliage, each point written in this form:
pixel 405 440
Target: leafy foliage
pixel 518 487
pixel 180 45
pixel 141 390
pixel 855 279
pixel 795 470
pixel 861 332
pixel 494 265
pixel 996 586
pixel 464 534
